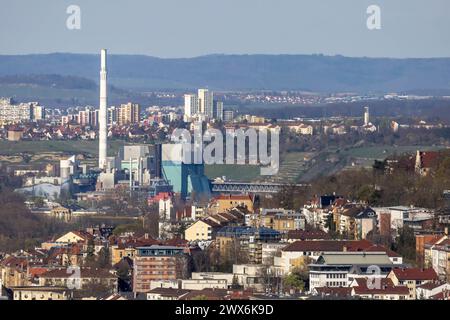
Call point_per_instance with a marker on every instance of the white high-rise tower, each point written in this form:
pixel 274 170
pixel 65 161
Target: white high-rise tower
pixel 190 105
pixel 205 102
pixel 103 121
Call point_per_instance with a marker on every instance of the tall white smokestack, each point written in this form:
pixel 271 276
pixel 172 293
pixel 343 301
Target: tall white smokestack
pixel 366 116
pixel 102 121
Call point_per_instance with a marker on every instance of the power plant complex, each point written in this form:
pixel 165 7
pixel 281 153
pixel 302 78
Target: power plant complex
pixel 141 166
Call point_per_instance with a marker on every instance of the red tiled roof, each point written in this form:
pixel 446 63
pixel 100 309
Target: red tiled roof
pixel 211 223
pixel 169 292
pixel 386 286
pixel 216 217
pixel 339 202
pixel 241 294
pixel 379 248
pixel 329 245
pixel 36 271
pixel 400 290
pixel 445 242
pixel 84 273
pixel 14 262
pixel 308 235
pixel 177 242
pixel 444 295
pixel 226 216
pixel 82 234
pixel 415 274
pixel 431 285
pixel 114 297
pixel 210 294
pixel 161 196
pixel 362 282
pixel 336 292
pixel 234 197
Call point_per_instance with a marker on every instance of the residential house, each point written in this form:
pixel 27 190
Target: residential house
pixel 412 278
pixel 437 256
pixel 40 293
pixel 250 276
pixel 246 241
pixel 366 288
pixel 366 222
pixel 401 215
pixel 334 293
pixel 13 271
pixel 345 221
pixel 430 289
pixel 270 250
pixel 74 237
pixel 126 247
pixel 201 230
pixel 223 203
pixel 318 210
pixel 421 241
pixel 282 220
pixel 166 294
pixel 79 278
pixel 207 294
pixel 303 129
pixel 302 235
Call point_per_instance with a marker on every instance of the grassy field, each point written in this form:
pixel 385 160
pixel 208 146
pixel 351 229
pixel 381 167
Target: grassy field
pixel 233 172
pixel 10 148
pixel 292 165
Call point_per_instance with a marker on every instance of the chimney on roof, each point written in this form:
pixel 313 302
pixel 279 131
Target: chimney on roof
pixel 446 231
pixel 146 236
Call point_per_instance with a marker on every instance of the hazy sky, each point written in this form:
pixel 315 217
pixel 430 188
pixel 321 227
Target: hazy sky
pixel 186 28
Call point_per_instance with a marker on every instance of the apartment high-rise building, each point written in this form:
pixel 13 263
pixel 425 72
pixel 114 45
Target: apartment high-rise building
pixel 112 115
pixel 218 110
pixel 94 117
pixel 128 114
pixel 38 113
pixel 228 115
pixel 86 117
pixel 190 105
pixel 206 102
pixel 158 263
pixel 23 112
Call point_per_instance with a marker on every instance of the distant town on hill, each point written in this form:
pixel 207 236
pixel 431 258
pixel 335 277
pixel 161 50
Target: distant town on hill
pixel 315 73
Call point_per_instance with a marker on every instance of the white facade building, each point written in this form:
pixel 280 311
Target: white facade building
pixel 190 105
pixel 206 102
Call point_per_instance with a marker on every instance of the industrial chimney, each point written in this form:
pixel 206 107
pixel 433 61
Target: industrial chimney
pixel 102 121
pixel 366 116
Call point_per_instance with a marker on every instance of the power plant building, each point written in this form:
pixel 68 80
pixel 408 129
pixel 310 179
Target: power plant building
pixel 186 178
